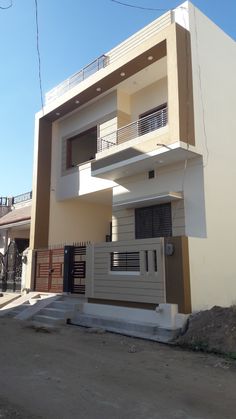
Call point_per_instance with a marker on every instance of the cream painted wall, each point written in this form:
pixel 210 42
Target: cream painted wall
pixel 107 127
pixel 19 234
pixel 212 266
pixel 148 98
pixel 123 102
pixel 78 220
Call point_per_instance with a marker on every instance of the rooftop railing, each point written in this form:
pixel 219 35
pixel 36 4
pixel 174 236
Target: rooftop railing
pixel 76 78
pixel 137 128
pixel 112 56
pixel 22 198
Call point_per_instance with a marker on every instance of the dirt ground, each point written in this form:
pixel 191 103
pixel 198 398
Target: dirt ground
pixel 74 373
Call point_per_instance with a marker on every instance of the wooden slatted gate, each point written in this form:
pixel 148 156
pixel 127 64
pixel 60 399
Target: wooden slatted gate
pixel 59 270
pixel 49 270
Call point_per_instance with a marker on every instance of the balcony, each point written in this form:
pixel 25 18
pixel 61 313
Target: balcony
pixel 136 129
pixel 138 147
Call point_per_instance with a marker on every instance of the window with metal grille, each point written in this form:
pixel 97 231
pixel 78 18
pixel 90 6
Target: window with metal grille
pixel 154 221
pixel 125 261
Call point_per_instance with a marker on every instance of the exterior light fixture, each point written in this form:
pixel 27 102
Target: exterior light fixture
pixel 77 102
pixel 122 74
pixel 58 114
pixel 98 89
pixel 150 58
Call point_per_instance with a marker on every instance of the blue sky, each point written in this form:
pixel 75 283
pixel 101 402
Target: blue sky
pixel 71 34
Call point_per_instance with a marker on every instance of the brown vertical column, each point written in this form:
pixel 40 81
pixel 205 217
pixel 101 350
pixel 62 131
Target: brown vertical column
pixel 41 184
pixel 180 86
pixel 177 274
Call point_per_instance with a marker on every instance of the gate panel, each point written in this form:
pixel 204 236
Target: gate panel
pixel 57 266
pixel 11 269
pixel 49 270
pixel 79 270
pixel 42 270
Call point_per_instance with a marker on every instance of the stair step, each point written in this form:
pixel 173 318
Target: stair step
pixel 62 305
pixel 16 310
pixel 57 312
pixel 39 318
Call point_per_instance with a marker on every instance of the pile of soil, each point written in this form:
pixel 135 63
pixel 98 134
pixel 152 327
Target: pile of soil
pixel 212 330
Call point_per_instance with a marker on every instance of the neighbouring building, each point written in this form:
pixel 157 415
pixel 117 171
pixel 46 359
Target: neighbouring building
pixel 15 216
pixel 135 160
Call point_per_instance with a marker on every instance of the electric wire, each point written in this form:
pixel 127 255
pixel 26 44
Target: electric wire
pixel 38 52
pixel 138 7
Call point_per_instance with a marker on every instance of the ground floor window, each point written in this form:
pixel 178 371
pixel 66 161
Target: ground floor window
pixel 125 261
pixel 153 221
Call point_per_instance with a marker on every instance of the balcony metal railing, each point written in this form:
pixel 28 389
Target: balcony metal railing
pixel 140 127
pixel 76 78
pixel 21 198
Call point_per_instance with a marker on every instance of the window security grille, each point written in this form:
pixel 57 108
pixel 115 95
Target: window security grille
pixel 154 221
pixel 125 261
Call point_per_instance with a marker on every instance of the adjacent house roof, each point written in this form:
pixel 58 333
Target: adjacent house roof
pixel 16 216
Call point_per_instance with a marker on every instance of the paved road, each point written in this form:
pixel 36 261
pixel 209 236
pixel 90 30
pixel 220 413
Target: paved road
pixel 76 374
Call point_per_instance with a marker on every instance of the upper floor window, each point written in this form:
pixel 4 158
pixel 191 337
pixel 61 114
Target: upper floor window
pixel 81 148
pixel 153 221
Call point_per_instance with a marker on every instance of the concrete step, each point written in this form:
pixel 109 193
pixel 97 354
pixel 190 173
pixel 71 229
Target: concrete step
pixel 48 320
pixel 143 330
pixel 57 312
pixel 65 305
pixel 14 311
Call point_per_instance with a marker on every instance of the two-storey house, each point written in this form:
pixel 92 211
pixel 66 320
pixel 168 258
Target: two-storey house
pixel 134 154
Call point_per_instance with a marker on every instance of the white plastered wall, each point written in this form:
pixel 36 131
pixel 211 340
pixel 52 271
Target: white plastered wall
pixel 212 259
pixel 188 217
